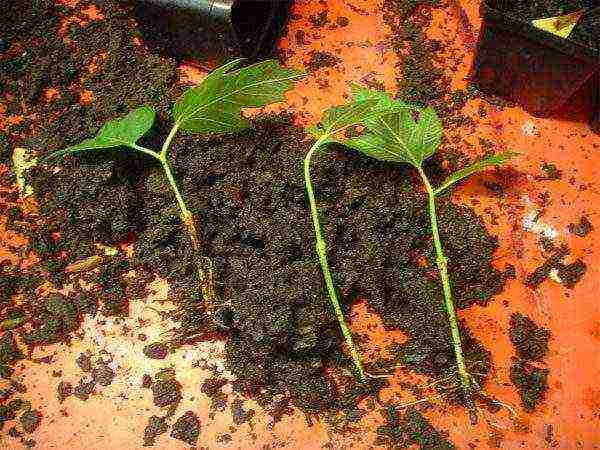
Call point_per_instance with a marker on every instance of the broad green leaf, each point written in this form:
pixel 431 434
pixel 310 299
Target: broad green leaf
pixel 215 105
pixel 477 166
pixel 338 118
pixel 561 26
pixel 115 133
pixel 403 135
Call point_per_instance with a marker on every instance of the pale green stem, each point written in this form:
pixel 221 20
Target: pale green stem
pixel 167 143
pixel 186 215
pixel 442 264
pixel 321 248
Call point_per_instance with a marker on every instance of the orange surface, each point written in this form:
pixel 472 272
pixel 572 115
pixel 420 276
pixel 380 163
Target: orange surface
pixel 116 416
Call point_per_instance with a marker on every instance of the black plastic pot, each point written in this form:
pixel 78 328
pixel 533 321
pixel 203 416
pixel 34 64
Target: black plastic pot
pixel 213 29
pixel 532 67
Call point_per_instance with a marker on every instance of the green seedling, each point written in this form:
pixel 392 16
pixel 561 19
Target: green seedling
pixel 335 121
pixel 406 134
pixel 213 106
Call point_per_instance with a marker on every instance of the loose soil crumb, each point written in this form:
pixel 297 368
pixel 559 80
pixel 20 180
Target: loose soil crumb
pixel 186 428
pixel 84 389
pixel 166 391
pixel 531 382
pixel 155 427
pixel 570 274
pixel 581 228
pixel 410 429
pixel 530 340
pixel 318 60
pixel 103 374
pixel 252 214
pixel 30 420
pixel 64 390
pixel 157 350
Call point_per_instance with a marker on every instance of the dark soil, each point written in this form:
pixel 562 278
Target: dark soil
pixel 247 194
pixel 166 390
pixel 30 420
pixel 410 428
pixel 531 382
pixel 569 274
pixel 186 428
pixel 586 32
pixel 64 390
pixel 319 60
pixel 155 427
pixel 530 340
pixel 581 228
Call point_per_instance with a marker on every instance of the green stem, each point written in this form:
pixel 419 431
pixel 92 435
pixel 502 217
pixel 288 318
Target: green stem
pixel 167 143
pixel 442 264
pixel 187 217
pixel 321 247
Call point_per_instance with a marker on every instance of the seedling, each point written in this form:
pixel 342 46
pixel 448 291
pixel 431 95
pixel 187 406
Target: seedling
pixel 394 132
pixel 407 134
pixel 335 121
pixel 213 106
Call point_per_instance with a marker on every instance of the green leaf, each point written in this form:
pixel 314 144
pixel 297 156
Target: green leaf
pixel 215 105
pixel 399 137
pixel 115 133
pixel 338 118
pixel 477 166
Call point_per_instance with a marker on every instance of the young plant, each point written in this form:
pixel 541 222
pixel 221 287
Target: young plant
pixel 407 134
pixel 335 121
pixel 213 106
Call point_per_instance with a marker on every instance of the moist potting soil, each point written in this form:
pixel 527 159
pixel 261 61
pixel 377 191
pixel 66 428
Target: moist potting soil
pixel 247 194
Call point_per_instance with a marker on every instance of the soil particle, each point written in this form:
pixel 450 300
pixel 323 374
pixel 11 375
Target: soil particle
pixel 581 228
pixel 84 389
pixel 166 392
pixel 156 350
pixel 213 388
pixel 239 414
pixel 64 390
pixel 410 429
pixel 571 274
pixel 103 374
pixel 540 274
pixel 321 59
pixel 530 340
pixel 30 420
pixel 84 362
pixel 319 20
pixel 155 427
pixel 531 382
pixel 186 428
pixel 551 171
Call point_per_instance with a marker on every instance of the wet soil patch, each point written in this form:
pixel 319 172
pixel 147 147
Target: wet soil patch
pixel 531 382
pixel 531 344
pixel 530 340
pixel 568 274
pixel 406 429
pixel 581 228
pixel 247 194
pixel 586 32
